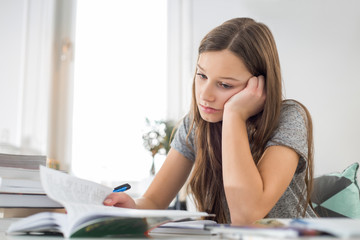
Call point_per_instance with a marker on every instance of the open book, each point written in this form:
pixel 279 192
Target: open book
pixel 86 215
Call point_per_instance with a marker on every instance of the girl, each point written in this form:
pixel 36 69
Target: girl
pixel 249 153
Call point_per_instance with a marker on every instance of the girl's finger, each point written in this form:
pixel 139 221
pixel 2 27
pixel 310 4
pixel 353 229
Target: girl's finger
pixel 112 199
pixel 261 82
pixel 252 83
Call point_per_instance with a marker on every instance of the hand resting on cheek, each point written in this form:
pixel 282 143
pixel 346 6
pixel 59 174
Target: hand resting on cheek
pixel 250 100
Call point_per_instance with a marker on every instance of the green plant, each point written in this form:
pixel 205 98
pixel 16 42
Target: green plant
pixel 156 138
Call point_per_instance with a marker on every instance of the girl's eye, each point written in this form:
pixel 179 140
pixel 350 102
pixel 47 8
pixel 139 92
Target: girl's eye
pixel 224 85
pixel 202 76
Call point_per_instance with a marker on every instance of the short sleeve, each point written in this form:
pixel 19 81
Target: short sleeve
pixel 292 132
pixel 180 142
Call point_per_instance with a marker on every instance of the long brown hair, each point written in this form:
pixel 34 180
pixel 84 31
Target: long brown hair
pixel 254 44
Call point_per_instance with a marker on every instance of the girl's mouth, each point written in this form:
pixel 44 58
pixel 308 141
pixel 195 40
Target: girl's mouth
pixel 208 109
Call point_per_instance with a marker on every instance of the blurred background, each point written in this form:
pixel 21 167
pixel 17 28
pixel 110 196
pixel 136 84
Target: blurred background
pixel 79 78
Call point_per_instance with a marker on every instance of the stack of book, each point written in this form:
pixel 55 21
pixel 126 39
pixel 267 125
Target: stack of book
pixel 22 161
pixel 20 186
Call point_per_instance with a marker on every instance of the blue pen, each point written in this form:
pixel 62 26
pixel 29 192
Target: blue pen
pixel 122 188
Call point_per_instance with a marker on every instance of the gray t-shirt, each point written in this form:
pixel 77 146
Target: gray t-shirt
pixel 291 132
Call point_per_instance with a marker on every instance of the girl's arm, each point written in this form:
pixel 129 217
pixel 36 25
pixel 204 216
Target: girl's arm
pixel 166 184
pixel 251 190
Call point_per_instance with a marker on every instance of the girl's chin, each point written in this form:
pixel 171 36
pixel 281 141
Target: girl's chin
pixel 212 118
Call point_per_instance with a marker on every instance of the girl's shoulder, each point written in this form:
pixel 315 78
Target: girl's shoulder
pixel 292 104
pixel 184 123
pixel 293 111
pixel 183 142
pixel 292 130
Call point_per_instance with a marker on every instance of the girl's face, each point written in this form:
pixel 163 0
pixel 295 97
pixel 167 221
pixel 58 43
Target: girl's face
pixel 219 75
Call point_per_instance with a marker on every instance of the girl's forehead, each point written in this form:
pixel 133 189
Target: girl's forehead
pixel 221 62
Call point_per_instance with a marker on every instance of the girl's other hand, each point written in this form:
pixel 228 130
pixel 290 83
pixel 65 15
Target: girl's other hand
pixel 249 101
pixel 119 200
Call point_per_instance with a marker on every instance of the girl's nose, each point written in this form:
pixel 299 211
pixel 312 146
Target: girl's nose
pixel 207 93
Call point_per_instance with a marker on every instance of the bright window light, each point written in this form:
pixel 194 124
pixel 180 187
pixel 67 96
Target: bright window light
pixel 120 71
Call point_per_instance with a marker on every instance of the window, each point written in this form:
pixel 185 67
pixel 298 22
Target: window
pixel 119 80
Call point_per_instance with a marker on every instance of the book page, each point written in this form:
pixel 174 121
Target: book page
pixel 83 200
pixel 81 213
pixel 66 189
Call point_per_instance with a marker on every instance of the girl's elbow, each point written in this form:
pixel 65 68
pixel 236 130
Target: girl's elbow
pixel 246 206
pixel 245 217
pixel 247 211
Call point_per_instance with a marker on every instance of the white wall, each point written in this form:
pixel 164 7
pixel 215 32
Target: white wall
pixel 318 43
